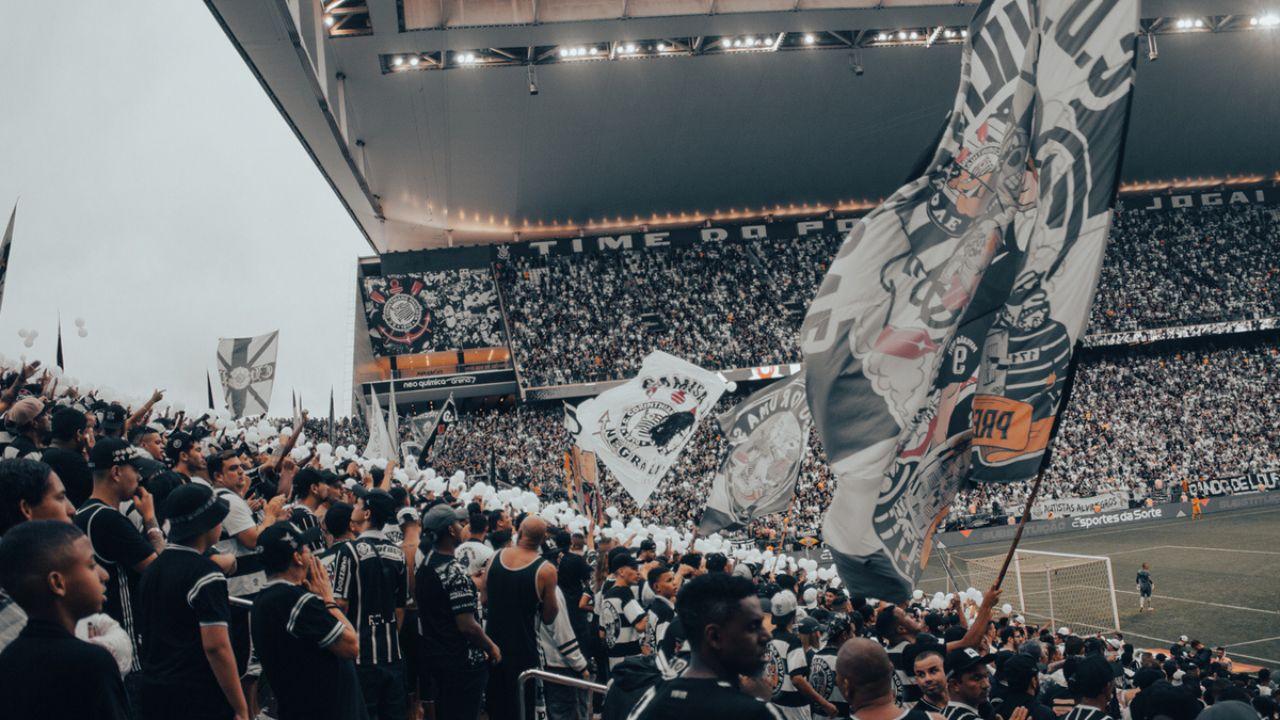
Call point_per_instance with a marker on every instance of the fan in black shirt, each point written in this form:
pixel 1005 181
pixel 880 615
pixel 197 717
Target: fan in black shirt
pixel 46 672
pixel 188 667
pixel 67 453
pixel 865 676
pixel 305 643
pixel 727 635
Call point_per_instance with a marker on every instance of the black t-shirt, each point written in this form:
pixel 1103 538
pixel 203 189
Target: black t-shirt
pixel 370 574
pixel 48 673
pixel 705 699
pixel 444 591
pixel 181 592
pixel 118 547
pixel 163 483
pixel 292 631
pixel 74 472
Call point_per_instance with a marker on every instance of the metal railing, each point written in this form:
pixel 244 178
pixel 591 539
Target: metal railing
pixel 550 677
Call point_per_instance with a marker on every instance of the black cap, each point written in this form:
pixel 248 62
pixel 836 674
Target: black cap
pixel 111 452
pixel 379 501
pixel 1019 670
pixel 617 561
pixel 1091 675
pixel 338 519
pixel 964 659
pixel 809 625
pixel 113 417
pixel 178 442
pixel 193 509
pixel 279 542
pixel 1146 677
pixel 838 625
pixel 648 544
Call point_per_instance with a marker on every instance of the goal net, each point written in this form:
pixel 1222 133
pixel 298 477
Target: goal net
pixel 1055 589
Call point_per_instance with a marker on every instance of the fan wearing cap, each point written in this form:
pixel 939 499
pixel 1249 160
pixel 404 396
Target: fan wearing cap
pixel 455 652
pixel 822 666
pixel 179 450
pixel 118 546
pixel 1020 676
pixel 305 643
pixel 188 666
pixel 786 667
pixel 1092 682
pixel 968 683
pixel 25 425
pixel 370 584
pixel 622 618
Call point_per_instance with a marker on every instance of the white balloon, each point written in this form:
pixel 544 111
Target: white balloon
pixel 1006 608
pixel 33 334
pixel 80 322
pixel 29 342
pixel 82 332
pixel 732 386
pixel 22 332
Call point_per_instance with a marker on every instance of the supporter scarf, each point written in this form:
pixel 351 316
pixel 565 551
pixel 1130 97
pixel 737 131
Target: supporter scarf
pixel 938 345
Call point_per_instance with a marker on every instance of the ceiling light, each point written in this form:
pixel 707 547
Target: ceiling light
pixel 397 61
pixel 329 21
pixel 948 34
pixel 902 35
pixel 737 43
pixel 1269 21
pixel 564 52
pixel 595 50
pixel 964 33
pixel 662 47
pixel 1199 23
pixel 882 37
pixel 914 35
pixel 809 38
pixel 750 41
pixel 414 61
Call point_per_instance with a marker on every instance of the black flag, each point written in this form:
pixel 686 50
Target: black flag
pixel 447 416
pixel 209 385
pixel 61 364
pixel 331 421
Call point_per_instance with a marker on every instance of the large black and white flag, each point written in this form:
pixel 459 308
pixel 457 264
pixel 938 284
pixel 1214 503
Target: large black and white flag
pixel 5 246
pixel 768 434
pixel 938 346
pixel 638 429
pixel 247 369
pixel 430 425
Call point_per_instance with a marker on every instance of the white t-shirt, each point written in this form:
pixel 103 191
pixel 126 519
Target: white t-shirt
pixel 248 579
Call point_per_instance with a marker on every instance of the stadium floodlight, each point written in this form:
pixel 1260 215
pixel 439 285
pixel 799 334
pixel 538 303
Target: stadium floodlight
pixel 914 35
pixel 902 34
pixel 413 61
pixel 329 20
pixel 1268 21
pixel 397 61
pixel 809 39
pixel 882 37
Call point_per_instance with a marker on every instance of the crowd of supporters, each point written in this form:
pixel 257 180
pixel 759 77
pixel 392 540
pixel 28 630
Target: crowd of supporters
pixel 592 317
pixel 154 566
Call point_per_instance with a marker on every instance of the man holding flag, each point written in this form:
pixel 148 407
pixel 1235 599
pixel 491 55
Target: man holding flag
pixel 937 348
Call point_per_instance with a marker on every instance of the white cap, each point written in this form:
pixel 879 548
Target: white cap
pixel 783 603
pixel 1064 630
pixel 811 597
pixel 1182 638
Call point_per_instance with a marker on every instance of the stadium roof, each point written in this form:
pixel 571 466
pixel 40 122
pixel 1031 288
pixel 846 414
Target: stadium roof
pixel 421 112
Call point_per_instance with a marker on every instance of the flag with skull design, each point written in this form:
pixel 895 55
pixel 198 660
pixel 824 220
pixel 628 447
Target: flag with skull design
pixel 938 345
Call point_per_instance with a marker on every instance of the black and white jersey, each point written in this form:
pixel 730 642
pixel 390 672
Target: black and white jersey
pixel 904 680
pixel 620 612
pixel 704 699
pixel 118 547
pixel 661 613
pixel 370 574
pixel 822 677
pixel 1084 712
pixel 784 660
pixel 959 711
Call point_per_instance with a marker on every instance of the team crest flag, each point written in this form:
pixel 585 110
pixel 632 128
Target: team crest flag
pixel 768 435
pixel 638 429
pixel 428 426
pixel 247 369
pixel 939 344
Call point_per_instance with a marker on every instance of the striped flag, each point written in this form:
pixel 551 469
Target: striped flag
pixel 247 369
pixel 938 346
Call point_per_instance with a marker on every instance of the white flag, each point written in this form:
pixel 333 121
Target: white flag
pixel 247 368
pixel 380 444
pixel 639 429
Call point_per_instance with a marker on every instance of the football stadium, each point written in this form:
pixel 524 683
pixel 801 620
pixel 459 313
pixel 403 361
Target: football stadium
pixel 794 359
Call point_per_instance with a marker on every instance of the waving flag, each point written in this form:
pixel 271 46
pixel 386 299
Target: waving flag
pixel 938 345
pixel 247 369
pixel 768 435
pixel 638 429
pixel 5 245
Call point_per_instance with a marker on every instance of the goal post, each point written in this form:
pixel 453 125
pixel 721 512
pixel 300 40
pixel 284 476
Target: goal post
pixel 1058 589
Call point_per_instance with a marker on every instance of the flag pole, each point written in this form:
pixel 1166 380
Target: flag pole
pixel 1044 461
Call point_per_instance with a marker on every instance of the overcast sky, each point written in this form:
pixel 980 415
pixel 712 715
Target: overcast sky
pixel 164 201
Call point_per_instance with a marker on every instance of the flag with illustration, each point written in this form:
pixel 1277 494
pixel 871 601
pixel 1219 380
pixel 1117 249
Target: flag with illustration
pixel 247 369
pixel 938 345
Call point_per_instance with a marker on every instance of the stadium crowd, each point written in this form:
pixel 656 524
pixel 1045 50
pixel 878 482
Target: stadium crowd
pixel 158 566
pixel 593 317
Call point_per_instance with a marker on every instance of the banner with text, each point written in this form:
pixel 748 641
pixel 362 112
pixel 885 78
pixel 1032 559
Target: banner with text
pixel 1049 507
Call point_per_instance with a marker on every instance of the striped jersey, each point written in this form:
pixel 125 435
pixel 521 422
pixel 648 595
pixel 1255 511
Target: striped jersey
pixel 118 547
pixel 370 574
